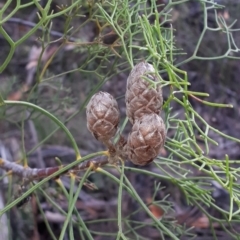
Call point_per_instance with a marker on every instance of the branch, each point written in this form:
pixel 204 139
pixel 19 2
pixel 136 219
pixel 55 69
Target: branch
pixel 39 173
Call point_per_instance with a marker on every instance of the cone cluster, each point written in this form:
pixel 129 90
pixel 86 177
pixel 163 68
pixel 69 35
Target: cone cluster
pixel 143 106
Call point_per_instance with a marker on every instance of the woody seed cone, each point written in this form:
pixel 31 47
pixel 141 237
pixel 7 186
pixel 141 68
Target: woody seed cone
pixel 141 98
pixel 102 116
pixel 146 139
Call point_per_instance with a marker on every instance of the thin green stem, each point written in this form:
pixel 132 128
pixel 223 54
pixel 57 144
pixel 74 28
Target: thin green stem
pixel 119 211
pixel 157 221
pixel 52 117
pixel 72 206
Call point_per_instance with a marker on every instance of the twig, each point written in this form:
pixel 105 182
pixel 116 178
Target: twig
pixel 31 24
pixel 39 173
pixel 4 219
pixel 39 163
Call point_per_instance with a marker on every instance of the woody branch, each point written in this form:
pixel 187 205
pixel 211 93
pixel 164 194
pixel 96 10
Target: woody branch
pixel 39 173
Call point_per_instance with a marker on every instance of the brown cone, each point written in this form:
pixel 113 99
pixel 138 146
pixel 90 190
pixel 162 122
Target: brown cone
pixel 102 116
pixel 142 98
pixel 146 139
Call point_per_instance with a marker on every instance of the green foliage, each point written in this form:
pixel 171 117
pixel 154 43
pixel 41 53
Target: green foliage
pixel 137 34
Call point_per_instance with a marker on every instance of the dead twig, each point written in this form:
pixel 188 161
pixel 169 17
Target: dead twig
pixel 31 24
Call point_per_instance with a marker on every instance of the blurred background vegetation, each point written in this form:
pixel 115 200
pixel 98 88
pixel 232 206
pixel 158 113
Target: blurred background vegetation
pixel 61 63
